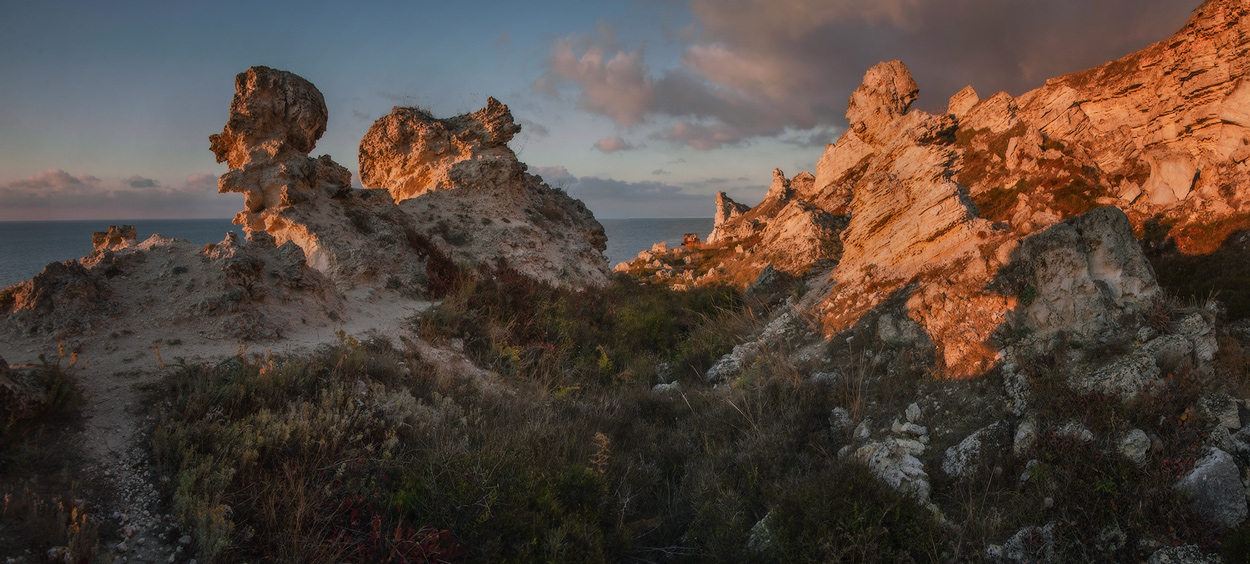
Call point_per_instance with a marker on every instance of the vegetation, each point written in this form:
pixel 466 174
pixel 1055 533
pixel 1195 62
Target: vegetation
pixel 366 452
pixel 40 469
pixel 1223 273
pixel 995 204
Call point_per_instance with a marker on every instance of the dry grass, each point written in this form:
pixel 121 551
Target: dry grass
pixel 40 472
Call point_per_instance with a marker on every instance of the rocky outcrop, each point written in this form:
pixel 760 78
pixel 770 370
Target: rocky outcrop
pixel 276 118
pixel 993 220
pixel 464 189
pixel 789 231
pixel 409 152
pixel 63 297
pixel 1161 132
pixel 488 212
pixel 232 289
pixel 726 210
pixel 115 238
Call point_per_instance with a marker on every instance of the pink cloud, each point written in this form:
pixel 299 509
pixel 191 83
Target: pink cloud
pixel 615 85
pixel 56 194
pixel 614 144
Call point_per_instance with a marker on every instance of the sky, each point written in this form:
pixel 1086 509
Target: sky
pixel 641 108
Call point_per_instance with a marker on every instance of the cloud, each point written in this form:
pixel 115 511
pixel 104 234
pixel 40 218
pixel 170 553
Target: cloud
pixel 136 181
pixel 52 181
pixel 614 144
pixel 534 128
pixel 56 194
pixel 200 182
pixel 611 198
pixel 616 85
pixel 771 68
pixel 553 175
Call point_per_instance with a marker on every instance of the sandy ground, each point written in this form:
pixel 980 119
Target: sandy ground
pixel 114 362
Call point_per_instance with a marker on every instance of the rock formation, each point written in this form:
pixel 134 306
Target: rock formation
pixel 940 214
pixel 409 151
pixel 115 238
pixel 488 211
pixel 275 119
pixel 463 188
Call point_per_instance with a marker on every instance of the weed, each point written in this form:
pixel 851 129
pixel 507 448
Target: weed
pixel 996 204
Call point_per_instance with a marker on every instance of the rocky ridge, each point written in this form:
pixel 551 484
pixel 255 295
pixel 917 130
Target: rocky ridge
pixel 997 243
pixel 932 210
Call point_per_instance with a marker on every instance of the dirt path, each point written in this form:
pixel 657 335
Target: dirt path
pixel 115 363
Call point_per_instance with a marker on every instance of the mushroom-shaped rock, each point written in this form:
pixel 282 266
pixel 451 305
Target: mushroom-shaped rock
pixel 886 93
pixel 409 152
pixel 274 113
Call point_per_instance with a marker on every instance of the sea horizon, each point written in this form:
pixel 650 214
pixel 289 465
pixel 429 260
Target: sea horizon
pixel 33 244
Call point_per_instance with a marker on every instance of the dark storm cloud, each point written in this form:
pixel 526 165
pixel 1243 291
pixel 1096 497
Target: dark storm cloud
pixel 785 68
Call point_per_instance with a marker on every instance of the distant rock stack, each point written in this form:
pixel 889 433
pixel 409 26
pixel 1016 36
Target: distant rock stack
pixel 115 238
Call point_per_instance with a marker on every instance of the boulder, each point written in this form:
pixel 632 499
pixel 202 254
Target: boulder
pixel 1088 274
pixel 1215 487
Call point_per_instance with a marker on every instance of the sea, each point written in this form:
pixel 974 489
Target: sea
pixel 27 246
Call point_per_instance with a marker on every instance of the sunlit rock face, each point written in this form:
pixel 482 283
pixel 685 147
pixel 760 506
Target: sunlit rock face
pixel 986 222
pixel 490 212
pixel 409 151
pixel 1161 133
pixel 464 188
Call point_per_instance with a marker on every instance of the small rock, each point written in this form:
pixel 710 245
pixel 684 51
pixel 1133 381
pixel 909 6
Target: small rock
pixel 667 388
pixel 913 413
pixel 1075 430
pixel 1026 436
pixel 761 536
pixel 863 431
pixel 1032 545
pixel 1181 555
pixel 1135 446
pixel 1221 408
pixel 961 460
pixel 897 467
pixel 840 420
pixel 908 428
pixel 1027 474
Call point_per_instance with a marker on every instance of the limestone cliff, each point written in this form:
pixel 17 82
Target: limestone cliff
pixel 939 214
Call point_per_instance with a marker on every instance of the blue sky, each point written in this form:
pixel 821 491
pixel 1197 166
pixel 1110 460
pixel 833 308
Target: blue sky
pixel 642 108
